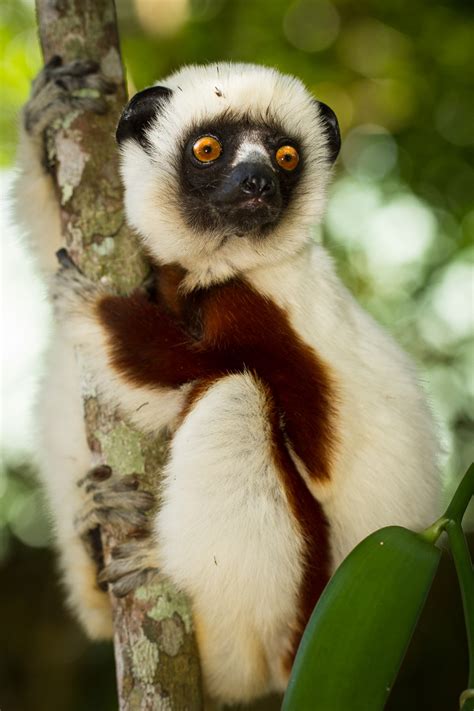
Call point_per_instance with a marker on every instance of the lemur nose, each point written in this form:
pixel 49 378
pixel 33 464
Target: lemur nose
pixel 259 183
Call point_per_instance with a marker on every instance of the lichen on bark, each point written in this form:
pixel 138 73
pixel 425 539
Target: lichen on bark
pixel 155 650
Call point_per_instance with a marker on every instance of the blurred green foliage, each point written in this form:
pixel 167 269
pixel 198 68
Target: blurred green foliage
pixel 400 219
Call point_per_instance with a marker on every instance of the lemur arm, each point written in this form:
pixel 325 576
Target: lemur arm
pixel 145 346
pixel 137 354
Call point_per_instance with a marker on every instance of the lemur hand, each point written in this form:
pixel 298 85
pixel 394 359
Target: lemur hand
pixel 74 297
pixel 60 89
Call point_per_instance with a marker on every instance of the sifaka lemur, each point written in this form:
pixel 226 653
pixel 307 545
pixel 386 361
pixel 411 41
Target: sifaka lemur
pixel 297 425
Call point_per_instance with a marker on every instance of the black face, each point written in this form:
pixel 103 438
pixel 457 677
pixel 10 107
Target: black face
pixel 220 190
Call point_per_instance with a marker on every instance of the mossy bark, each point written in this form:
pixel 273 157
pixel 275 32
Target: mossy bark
pixel 155 650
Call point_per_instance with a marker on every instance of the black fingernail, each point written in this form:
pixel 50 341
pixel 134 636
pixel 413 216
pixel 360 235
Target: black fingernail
pixel 101 473
pixel 62 255
pixel 55 61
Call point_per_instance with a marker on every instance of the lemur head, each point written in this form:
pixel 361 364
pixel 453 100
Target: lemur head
pixel 225 167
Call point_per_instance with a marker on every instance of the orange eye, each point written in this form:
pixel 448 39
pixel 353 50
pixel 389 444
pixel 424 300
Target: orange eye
pixel 287 157
pixel 207 149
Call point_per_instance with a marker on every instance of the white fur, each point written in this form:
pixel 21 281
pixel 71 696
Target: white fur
pixel 227 538
pixel 62 454
pixel 226 533
pixel 35 206
pixel 252 150
pixel 63 457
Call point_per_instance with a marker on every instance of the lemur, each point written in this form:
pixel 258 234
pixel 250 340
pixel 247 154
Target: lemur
pixel 297 424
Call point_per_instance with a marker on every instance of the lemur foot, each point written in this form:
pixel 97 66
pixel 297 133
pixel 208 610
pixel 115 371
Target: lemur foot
pixel 115 502
pixel 62 88
pixel 118 504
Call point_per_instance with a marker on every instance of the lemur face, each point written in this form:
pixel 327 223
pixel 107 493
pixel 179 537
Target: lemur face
pixel 225 167
pixel 237 176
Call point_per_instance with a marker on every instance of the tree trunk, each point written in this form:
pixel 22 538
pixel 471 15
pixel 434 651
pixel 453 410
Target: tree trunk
pixel 156 655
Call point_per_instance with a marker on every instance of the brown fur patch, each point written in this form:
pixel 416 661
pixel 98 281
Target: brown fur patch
pixel 314 530
pixel 239 329
pixel 170 277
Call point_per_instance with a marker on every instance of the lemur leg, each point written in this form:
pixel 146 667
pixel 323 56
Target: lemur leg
pixel 63 457
pixel 228 538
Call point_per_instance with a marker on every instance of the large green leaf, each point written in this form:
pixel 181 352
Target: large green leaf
pixel 358 633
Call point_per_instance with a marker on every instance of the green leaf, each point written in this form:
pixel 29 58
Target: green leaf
pixel 359 631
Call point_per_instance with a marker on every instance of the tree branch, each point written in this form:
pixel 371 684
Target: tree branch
pixel 155 650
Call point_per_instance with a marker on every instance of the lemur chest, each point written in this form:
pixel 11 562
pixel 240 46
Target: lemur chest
pixel 236 329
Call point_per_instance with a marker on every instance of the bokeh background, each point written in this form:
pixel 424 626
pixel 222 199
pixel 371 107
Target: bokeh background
pixel 400 223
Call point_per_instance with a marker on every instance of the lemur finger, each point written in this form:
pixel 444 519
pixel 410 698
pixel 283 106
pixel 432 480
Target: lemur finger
pixel 55 103
pixel 55 69
pixel 131 582
pixel 118 569
pixel 44 75
pixel 80 75
pixel 47 103
pixel 78 67
pixel 95 105
pixel 92 82
pixel 137 548
pixel 130 482
pixel 121 520
pixel 132 564
pixel 142 501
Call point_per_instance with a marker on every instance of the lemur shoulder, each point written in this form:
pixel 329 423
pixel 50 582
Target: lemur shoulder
pixel 298 425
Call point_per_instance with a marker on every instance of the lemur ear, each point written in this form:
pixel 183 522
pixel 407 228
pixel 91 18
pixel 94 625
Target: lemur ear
pixel 139 112
pixel 331 129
